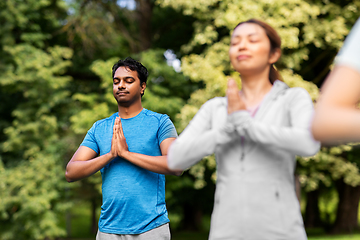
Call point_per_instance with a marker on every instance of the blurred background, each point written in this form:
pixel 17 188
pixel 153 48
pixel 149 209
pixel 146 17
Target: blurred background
pixel 55 82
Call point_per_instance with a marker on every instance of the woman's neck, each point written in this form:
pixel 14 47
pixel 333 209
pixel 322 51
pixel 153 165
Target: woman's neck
pixel 254 88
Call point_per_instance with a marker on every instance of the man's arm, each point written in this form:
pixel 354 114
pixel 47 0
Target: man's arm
pixel 86 161
pixel 156 164
pixel 336 116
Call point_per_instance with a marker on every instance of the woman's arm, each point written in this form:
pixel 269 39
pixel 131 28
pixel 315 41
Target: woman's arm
pixel 197 140
pixel 297 138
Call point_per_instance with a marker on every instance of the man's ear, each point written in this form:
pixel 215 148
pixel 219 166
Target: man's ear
pixel 274 56
pixel 143 87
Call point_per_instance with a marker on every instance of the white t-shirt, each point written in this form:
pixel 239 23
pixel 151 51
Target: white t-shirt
pixel 349 54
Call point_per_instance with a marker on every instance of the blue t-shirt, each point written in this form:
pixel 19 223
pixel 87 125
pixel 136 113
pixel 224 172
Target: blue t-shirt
pixel 133 198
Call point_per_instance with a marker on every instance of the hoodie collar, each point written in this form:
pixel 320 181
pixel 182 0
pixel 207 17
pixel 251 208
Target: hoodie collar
pixel 279 88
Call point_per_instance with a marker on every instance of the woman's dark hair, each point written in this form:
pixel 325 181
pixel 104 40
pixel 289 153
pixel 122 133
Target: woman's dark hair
pixel 275 43
pixel 133 65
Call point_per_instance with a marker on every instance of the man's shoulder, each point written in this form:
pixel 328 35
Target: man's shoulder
pixel 156 115
pixel 105 121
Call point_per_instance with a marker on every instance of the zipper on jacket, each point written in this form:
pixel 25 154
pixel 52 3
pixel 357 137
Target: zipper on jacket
pixel 242 156
pixel 242 149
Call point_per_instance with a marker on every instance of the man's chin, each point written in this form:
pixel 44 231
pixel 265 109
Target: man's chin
pixel 123 102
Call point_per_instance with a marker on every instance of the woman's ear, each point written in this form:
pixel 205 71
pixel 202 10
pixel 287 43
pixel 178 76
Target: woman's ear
pixel 274 56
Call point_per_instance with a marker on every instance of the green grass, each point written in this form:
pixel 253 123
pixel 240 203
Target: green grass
pixel 80 226
pixel 189 236
pixel 336 237
pixel 80 222
pixel 204 236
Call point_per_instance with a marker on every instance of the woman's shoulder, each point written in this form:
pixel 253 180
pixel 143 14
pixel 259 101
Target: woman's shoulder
pixel 297 96
pixel 214 104
pixel 216 101
pixel 298 92
pixel 284 89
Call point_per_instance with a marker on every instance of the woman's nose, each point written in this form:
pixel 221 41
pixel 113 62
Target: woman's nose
pixel 242 44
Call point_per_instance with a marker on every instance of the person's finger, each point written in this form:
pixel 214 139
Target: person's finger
pixel 235 102
pixel 115 129
pixel 120 128
pixel 231 82
pixel 232 87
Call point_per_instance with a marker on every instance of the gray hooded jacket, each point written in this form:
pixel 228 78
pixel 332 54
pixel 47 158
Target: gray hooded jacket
pixel 255 195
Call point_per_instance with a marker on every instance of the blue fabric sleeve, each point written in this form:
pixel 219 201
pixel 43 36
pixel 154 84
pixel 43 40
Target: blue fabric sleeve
pixel 90 140
pixel 166 129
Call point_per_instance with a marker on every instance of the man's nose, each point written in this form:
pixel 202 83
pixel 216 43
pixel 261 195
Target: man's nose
pixel 122 84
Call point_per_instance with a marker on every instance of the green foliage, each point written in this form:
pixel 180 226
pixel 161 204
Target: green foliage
pixel 328 165
pixel 35 74
pixel 31 21
pixel 306 29
pixel 311 31
pixel 45 112
pixel 302 26
pixel 31 197
pixel 166 88
pixel 52 94
pixel 165 92
pixel 32 180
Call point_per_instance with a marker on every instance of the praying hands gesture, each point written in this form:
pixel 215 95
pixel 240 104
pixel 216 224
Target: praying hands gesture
pixel 119 147
pixel 235 102
pixel 158 164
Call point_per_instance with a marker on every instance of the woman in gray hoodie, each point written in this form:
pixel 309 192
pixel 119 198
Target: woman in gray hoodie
pixel 255 134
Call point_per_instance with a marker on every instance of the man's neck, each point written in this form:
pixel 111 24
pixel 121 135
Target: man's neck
pixel 130 111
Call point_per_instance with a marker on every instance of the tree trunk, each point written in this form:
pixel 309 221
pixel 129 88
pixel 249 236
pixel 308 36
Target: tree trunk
pixel 312 212
pixel 192 218
pixel 68 223
pixel 94 225
pixel 145 9
pixel 347 211
pixel 297 187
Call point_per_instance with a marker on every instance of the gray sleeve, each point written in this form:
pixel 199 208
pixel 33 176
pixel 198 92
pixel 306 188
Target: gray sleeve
pixel 349 54
pixel 296 138
pixel 198 140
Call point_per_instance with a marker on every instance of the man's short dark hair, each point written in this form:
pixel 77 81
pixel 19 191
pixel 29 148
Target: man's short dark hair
pixel 133 65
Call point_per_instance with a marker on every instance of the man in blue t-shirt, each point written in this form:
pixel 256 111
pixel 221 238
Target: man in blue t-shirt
pixel 129 148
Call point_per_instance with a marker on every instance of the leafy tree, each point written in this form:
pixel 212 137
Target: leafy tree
pixel 336 167
pixel 34 140
pixel 34 126
pixel 311 31
pixel 101 32
pixel 98 29
pixel 44 83
pixel 165 93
